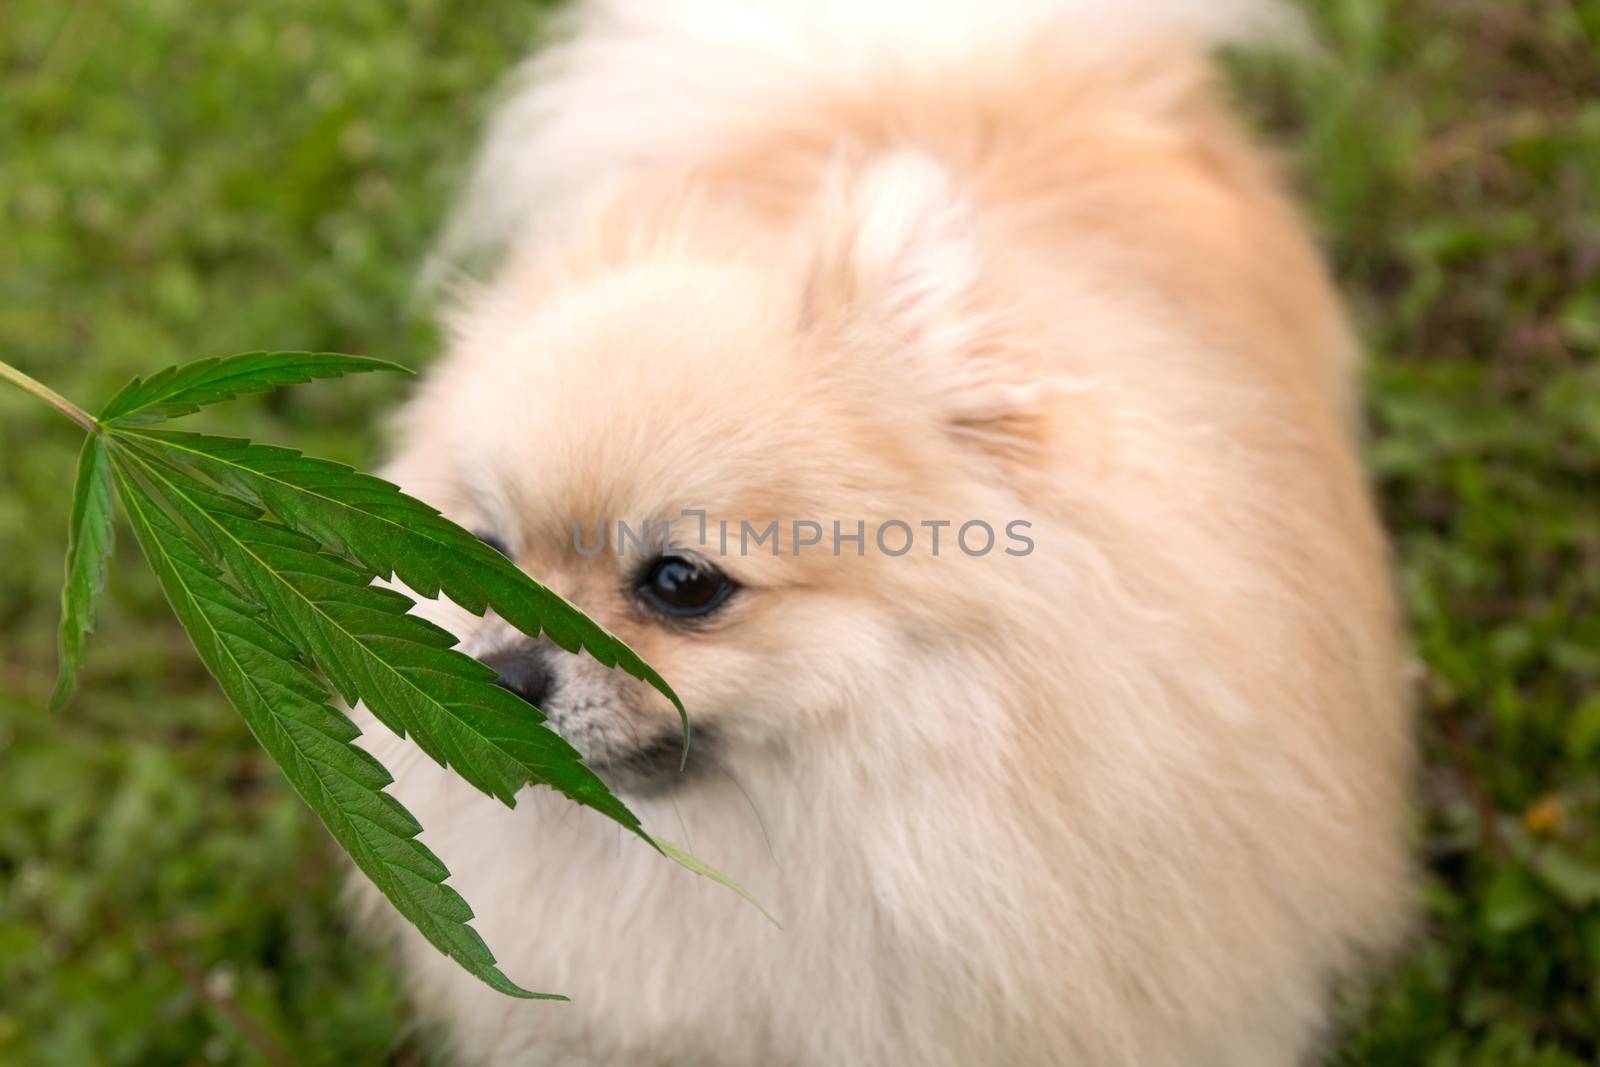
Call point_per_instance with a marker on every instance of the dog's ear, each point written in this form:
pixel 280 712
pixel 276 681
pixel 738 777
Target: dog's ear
pixel 900 261
pixel 898 248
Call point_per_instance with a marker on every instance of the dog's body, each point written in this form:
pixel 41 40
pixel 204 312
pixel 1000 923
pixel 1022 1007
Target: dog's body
pixel 1134 797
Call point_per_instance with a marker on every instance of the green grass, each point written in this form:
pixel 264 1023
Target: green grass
pixel 181 179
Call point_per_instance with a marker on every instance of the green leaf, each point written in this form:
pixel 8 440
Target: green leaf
pixel 286 708
pixel 403 668
pixel 1573 878
pixel 184 389
pixel 705 870
pixel 1512 901
pixel 394 535
pixel 89 541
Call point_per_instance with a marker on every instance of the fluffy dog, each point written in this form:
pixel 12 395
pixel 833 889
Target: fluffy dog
pixel 1127 787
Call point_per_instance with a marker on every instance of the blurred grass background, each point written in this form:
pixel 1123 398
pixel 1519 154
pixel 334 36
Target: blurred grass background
pixel 181 179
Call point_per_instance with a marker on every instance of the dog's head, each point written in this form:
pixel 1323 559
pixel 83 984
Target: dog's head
pixel 737 452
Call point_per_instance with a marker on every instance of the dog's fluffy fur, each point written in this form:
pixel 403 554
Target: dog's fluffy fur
pixel 1137 797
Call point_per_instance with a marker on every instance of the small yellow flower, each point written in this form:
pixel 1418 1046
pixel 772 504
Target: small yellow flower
pixel 1546 817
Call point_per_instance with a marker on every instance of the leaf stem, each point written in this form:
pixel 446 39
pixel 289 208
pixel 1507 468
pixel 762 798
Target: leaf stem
pixel 49 396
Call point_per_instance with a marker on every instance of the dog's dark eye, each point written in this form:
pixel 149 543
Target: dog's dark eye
pixel 682 587
pixel 495 543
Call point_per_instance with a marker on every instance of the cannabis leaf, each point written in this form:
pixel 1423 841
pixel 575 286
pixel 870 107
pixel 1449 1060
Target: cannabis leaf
pixel 269 559
pixel 286 708
pixel 89 542
pixel 181 390
pixel 392 534
pixel 370 649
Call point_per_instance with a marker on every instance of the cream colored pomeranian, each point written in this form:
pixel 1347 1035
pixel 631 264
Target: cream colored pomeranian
pixel 1055 709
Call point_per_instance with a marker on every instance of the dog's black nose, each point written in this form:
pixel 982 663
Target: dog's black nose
pixel 523 669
